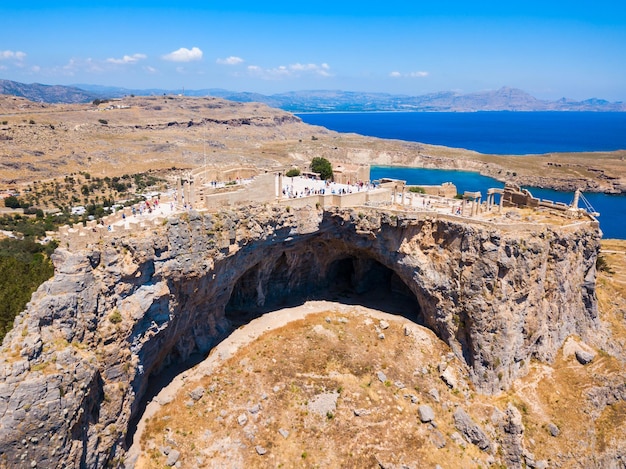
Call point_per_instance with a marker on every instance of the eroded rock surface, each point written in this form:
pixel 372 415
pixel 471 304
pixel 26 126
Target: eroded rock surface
pixel 78 359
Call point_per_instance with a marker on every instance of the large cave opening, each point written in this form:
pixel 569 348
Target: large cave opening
pixel 291 280
pixel 283 279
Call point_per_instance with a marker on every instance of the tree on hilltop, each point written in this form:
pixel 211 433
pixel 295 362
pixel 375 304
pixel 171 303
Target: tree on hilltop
pixel 323 167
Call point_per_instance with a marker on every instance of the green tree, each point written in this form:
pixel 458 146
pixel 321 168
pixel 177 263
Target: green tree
pixel 12 202
pixel 323 167
pixel 293 172
pixel 24 265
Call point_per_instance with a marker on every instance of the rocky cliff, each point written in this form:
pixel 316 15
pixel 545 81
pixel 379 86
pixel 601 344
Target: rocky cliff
pixel 78 360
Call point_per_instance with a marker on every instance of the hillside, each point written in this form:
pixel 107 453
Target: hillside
pixel 137 134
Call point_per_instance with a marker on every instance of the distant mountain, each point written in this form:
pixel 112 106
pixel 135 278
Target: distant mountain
pixel 46 93
pixel 504 99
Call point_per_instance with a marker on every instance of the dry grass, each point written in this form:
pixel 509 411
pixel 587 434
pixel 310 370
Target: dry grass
pixel 285 371
pixel 612 288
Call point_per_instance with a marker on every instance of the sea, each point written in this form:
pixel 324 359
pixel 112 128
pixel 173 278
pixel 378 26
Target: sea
pixel 498 133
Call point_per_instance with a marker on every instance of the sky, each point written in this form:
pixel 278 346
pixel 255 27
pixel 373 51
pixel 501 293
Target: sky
pixel 551 49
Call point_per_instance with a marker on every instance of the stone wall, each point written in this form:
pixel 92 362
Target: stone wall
pixel 79 236
pixel 447 189
pixel 262 189
pixel 73 369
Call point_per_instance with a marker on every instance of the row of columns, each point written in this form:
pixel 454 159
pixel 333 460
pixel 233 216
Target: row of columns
pixel 185 192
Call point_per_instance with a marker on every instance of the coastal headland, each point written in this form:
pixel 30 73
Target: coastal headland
pixel 409 330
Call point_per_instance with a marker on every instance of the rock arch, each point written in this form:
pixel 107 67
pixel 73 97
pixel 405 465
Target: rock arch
pixel 498 295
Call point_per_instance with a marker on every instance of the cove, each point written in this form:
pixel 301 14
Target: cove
pixel 612 208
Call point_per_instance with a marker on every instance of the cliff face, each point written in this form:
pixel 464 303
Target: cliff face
pixel 78 360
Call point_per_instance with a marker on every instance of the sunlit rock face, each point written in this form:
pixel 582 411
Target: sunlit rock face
pixel 78 360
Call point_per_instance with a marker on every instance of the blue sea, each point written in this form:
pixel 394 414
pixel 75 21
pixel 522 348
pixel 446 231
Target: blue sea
pixel 502 133
pixel 497 133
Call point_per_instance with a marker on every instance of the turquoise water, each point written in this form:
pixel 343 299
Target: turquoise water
pixel 612 208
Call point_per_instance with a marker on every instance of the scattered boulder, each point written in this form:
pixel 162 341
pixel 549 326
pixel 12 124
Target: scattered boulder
pixel 172 458
pixel 255 409
pixel 447 376
pixel 197 393
pixel 381 376
pixel 464 423
pixel 437 439
pixel 260 450
pixel 426 413
pixel 284 433
pixel 553 429
pixel 434 394
pixel 584 357
pixel 242 419
pixel 458 439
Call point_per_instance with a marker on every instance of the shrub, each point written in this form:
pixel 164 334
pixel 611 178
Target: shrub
pixel 115 317
pixel 103 121
pixel 603 266
pixel 293 172
pixel 12 202
pixel 323 167
pixel 417 190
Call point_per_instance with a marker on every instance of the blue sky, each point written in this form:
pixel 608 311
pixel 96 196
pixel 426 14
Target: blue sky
pixel 551 49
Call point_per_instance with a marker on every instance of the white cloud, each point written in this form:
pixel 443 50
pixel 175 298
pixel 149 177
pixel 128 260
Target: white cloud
pixel 232 60
pixel 396 74
pixel 128 59
pixel 150 69
pixel 290 71
pixel 88 65
pixel 184 55
pixel 12 55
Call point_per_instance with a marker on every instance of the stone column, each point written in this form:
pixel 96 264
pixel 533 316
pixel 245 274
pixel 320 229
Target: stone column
pixel 179 192
pixel 192 193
